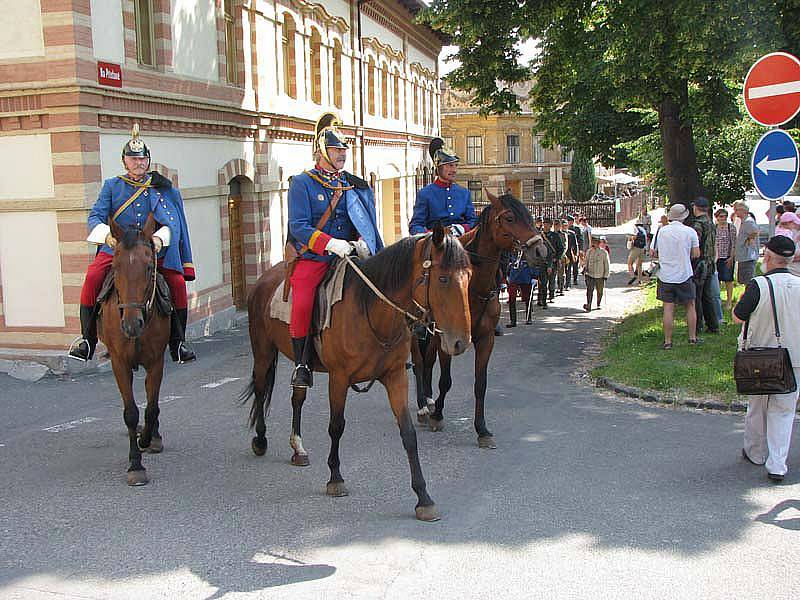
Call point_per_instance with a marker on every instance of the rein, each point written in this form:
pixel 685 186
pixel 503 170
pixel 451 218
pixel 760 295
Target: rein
pixel 145 307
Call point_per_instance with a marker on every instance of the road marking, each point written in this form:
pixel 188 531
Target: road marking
pixel 216 384
pixel 70 425
pixel 161 401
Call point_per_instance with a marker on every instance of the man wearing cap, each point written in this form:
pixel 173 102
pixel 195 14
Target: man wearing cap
pixel 561 261
pixel 328 209
pixel 769 419
pixel 129 199
pixel 705 277
pixel 580 249
pixel 443 201
pixel 746 243
pixel 675 248
pixel 556 251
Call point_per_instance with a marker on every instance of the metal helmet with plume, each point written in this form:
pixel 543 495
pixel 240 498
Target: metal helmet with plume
pixel 440 153
pixel 135 146
pixel 328 135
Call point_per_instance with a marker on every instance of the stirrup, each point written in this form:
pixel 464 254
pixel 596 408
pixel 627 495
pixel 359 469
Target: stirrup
pixel 182 354
pixel 302 377
pixel 80 349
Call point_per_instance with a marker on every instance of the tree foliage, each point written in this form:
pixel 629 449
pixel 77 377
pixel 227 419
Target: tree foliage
pixel 611 72
pixel 582 182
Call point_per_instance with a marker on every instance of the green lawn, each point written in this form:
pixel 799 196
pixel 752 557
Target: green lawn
pixel 634 354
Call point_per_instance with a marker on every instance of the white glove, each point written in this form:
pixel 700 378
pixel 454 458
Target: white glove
pixel 361 249
pixel 158 243
pixel 457 230
pixel 339 247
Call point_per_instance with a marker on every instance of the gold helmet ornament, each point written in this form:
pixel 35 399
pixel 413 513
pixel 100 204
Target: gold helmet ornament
pixel 328 136
pixel 441 154
pixel 135 146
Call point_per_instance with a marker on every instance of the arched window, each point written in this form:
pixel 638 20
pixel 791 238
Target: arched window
pixel 396 94
pixel 289 57
pixel 315 71
pixel 370 67
pixel 337 74
pixel 415 92
pixel 384 91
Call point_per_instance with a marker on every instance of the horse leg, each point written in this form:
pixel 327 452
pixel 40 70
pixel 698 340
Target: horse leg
pixel 124 376
pixel 150 438
pixel 483 350
pixel 261 388
pixel 396 385
pixel 300 456
pixel 445 383
pixel 337 396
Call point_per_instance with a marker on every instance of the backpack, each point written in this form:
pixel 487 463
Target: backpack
pixel 641 238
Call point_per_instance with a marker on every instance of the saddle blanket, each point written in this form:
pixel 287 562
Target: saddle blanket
pixel 163 299
pixel 329 293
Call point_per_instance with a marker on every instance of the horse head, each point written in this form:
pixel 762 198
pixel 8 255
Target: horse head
pixel 134 274
pixel 444 272
pixel 511 226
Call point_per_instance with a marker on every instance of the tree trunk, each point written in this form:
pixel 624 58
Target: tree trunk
pixel 680 158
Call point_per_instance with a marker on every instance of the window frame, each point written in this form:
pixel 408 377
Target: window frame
pixel 231 67
pixel 537 150
pixel 512 149
pixel 475 188
pixel 151 38
pixel 474 151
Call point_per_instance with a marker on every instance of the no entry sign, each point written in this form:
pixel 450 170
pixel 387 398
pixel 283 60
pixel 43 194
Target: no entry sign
pixel 772 89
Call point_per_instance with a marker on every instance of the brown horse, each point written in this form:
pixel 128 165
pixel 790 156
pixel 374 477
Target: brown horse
pixel 135 333
pixel 505 224
pixel 426 277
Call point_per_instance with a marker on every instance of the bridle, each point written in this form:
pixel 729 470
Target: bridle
pixel 145 307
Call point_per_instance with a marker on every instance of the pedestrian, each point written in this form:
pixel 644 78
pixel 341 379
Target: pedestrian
pixel 596 270
pixel 129 199
pixel 520 277
pixel 769 419
pixel 637 243
pixel 561 263
pixel 557 243
pixel 443 201
pixel 704 269
pixel 587 231
pixel 746 253
pixel 725 251
pixel 576 231
pixel 790 227
pixel 547 272
pixel 677 246
pixel 328 209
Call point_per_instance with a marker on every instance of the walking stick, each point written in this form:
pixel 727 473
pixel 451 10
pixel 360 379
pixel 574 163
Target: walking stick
pixel 529 309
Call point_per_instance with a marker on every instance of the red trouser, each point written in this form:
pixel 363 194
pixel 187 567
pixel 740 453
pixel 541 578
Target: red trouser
pixel 304 281
pixel 523 288
pixel 96 275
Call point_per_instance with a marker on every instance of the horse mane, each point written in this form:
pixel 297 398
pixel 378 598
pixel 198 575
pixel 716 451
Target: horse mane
pixel 390 269
pixel 511 203
pixel 130 237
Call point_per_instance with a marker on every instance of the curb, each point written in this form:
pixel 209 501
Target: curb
pixel 654 397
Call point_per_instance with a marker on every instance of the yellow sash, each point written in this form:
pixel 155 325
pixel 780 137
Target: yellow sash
pixel 136 194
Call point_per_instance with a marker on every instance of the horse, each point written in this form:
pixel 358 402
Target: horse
pixel 505 224
pixel 423 279
pixel 136 333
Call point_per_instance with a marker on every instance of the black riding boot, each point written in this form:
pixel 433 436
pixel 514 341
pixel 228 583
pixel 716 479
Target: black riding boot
pixel 301 376
pixel 178 350
pixel 84 349
pixel 512 313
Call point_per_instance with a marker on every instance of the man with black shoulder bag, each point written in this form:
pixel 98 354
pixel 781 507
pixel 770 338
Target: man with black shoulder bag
pixel 768 309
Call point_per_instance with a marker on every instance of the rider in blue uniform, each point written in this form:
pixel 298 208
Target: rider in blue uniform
pixel 443 201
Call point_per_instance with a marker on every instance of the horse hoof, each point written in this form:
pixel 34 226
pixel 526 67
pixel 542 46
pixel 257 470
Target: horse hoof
pixel 422 419
pixel 300 460
pixel 259 447
pixel 137 477
pixel 436 424
pixel 336 489
pixel 486 441
pixel 428 513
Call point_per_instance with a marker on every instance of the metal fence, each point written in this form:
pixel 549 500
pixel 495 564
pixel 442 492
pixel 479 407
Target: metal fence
pixel 599 214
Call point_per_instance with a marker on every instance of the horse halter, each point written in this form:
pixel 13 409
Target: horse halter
pixel 527 243
pixel 145 307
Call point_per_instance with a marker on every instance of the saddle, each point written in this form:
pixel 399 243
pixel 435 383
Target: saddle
pixel 163 299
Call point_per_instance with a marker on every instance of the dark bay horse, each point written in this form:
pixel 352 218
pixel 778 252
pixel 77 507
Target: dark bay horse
pixel 425 276
pixel 135 333
pixel 505 224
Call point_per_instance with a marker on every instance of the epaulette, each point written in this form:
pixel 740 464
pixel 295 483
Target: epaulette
pixel 356 182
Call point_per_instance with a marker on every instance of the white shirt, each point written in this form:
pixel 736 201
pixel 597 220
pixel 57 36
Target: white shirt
pixel 674 247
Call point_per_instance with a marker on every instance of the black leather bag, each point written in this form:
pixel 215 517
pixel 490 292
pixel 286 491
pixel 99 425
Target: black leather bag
pixel 760 371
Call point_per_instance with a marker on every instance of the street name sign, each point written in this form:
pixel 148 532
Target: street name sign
pixel 774 164
pixel 772 89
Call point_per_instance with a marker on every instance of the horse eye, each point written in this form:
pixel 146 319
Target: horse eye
pixel 444 279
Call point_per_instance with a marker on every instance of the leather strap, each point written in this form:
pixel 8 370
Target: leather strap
pixel 774 316
pixel 130 200
pixel 337 194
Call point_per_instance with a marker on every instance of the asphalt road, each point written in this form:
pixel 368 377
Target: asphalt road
pixel 586 496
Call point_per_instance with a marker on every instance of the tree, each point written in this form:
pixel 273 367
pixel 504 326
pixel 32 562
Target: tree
pixel 582 181
pixel 607 67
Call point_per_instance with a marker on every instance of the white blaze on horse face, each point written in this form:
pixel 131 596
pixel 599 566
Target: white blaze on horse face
pixel 296 442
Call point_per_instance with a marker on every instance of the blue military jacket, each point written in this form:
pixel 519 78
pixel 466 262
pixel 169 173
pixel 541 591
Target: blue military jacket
pixel 520 273
pixel 448 205
pixel 309 197
pixel 158 197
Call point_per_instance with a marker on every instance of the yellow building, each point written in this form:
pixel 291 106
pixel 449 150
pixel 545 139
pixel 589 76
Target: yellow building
pixel 502 152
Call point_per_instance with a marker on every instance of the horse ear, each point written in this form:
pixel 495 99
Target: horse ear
pixel 149 227
pixel 116 231
pixel 492 198
pixel 438 235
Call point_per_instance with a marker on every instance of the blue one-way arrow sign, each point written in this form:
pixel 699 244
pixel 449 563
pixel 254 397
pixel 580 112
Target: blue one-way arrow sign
pixel 774 164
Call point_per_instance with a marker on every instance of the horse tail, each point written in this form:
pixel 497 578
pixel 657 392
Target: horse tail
pixel 262 398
